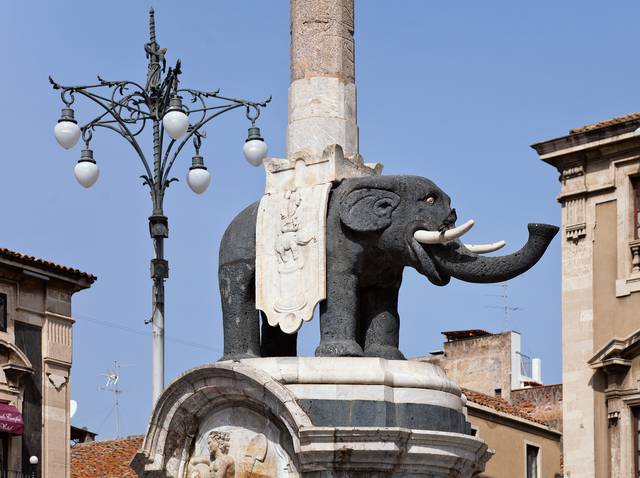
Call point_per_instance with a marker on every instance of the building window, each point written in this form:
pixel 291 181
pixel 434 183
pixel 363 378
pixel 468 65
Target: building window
pixel 636 208
pixel 4 454
pixel 3 312
pixel 636 441
pixel 532 461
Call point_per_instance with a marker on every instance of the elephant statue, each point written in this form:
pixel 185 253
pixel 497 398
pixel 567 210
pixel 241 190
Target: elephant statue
pixel 376 226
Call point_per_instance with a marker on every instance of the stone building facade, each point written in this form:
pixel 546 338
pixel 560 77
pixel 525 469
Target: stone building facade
pixel 35 363
pixel 599 167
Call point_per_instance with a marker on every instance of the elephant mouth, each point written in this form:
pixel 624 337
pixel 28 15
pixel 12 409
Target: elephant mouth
pixel 424 262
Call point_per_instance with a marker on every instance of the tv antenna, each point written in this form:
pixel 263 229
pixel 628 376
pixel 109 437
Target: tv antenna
pixel 505 307
pixel 111 386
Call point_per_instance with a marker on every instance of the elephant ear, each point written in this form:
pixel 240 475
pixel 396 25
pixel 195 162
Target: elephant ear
pixel 368 209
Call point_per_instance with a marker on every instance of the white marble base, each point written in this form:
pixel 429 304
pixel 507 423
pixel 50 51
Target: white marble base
pixel 312 417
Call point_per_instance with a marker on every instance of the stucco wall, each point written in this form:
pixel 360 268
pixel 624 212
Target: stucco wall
pixel 613 316
pixel 508 438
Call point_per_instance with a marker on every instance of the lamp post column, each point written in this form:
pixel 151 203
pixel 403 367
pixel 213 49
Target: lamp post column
pixel 159 230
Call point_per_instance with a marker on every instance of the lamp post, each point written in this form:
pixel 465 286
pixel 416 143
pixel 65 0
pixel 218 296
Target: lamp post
pixel 126 107
pixel 33 461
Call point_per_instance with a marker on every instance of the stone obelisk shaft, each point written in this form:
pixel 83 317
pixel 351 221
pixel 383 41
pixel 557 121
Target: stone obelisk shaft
pixel 322 95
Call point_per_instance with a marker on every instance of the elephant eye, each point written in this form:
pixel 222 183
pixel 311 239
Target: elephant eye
pixel 430 199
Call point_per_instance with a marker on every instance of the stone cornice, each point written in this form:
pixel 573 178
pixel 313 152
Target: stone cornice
pixel 616 354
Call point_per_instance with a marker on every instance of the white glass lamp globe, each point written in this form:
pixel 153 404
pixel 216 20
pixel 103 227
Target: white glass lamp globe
pixel 86 170
pixel 33 460
pixel 255 150
pixel 67 133
pixel 176 123
pixel 198 179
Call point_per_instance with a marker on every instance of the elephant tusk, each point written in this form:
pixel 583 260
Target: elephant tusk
pixel 436 237
pixel 484 248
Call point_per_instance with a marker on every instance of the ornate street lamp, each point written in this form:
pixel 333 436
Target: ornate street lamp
pixel 126 108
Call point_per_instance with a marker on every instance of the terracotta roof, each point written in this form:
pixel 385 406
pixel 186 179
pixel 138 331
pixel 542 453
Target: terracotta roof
pixel 465 334
pixel 605 123
pixel 47 265
pixel 105 459
pixel 501 405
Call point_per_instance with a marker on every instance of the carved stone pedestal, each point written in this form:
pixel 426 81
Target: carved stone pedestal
pixel 311 417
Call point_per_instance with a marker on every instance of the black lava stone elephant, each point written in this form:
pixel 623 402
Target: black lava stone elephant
pixel 376 226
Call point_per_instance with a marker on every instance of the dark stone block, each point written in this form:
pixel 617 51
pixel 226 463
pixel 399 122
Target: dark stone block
pixel 370 413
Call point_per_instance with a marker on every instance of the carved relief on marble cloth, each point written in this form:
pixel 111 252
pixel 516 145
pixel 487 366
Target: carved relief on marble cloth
pixel 291 254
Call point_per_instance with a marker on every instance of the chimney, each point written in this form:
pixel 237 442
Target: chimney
pixel 536 370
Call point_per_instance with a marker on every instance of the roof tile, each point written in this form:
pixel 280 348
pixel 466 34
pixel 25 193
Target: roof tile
pixel 44 264
pixel 605 123
pixel 105 459
pixel 501 405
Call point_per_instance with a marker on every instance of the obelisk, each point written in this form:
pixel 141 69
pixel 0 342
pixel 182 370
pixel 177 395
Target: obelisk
pixel 322 95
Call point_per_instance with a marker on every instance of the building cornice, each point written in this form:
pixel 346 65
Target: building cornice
pixel 483 411
pixel 617 353
pixel 582 139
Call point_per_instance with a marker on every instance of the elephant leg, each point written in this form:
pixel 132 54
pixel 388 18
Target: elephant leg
pixel 381 322
pixel 239 315
pixel 275 343
pixel 339 317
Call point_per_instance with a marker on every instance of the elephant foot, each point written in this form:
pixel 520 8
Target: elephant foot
pixel 388 352
pixel 238 356
pixel 339 348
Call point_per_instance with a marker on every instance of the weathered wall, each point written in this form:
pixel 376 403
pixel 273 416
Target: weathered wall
pixel 544 403
pixel 322 39
pixel 482 364
pixel 57 349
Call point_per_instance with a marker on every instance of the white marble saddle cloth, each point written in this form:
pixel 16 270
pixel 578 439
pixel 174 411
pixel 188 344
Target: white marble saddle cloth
pixel 291 254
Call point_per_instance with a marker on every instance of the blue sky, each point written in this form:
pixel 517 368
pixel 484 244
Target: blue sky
pixel 453 91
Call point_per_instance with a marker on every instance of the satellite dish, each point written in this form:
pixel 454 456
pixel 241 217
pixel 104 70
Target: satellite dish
pixel 73 408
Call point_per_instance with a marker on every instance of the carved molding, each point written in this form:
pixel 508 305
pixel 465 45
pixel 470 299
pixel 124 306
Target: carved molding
pixel 58 381
pixel 576 232
pixel 635 257
pixel 58 331
pixel 573 170
pixel 575 218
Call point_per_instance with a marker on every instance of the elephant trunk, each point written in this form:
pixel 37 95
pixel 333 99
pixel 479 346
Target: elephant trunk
pixel 459 262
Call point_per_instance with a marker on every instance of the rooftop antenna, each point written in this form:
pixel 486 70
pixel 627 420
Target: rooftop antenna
pixel 111 386
pixel 505 307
